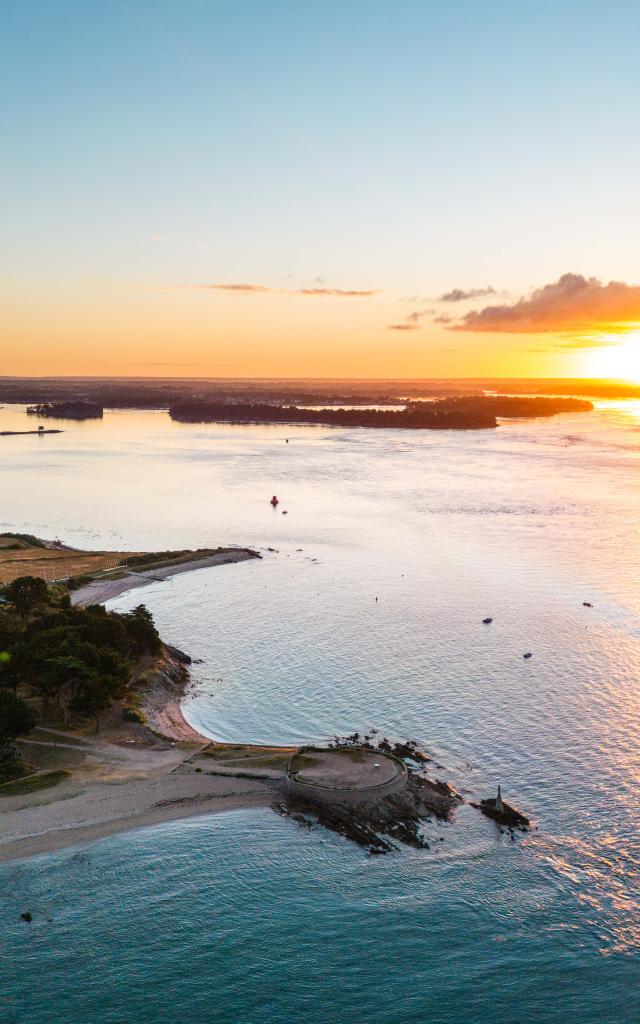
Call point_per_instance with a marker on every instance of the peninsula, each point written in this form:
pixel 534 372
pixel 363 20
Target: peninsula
pixel 96 576
pixel 93 740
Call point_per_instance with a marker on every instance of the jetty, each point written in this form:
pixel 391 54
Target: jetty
pixel 40 431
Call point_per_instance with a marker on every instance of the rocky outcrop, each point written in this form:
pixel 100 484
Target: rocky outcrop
pixel 177 654
pixel 378 824
pixel 505 815
pixel 161 690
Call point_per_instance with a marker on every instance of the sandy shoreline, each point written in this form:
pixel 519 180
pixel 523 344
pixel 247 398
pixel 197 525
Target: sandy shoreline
pixel 133 775
pixel 105 589
pixel 73 814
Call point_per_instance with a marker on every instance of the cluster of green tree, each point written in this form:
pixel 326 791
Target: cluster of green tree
pixel 28 538
pixel 78 659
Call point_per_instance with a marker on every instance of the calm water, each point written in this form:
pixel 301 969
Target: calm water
pixel 243 917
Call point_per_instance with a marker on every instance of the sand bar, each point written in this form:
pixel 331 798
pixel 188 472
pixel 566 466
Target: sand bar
pixel 105 588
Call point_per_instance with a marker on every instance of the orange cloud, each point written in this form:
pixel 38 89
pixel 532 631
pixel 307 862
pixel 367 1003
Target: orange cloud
pixel 572 305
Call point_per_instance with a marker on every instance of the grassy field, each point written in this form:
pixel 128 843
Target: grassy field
pixel 20 557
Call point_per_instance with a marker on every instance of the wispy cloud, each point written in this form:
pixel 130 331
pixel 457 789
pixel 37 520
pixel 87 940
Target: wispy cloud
pixel 349 293
pixel 412 321
pixel 460 295
pixel 240 289
pixel 263 289
pixel 577 307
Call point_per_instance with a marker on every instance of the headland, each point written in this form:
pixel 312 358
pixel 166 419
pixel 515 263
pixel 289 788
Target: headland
pixel 108 753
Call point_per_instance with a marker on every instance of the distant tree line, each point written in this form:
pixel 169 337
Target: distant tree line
pixel 459 413
pixel 67 410
pixel 414 416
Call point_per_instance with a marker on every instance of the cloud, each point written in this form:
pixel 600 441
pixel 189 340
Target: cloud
pixel 459 295
pixel 263 289
pixel 240 289
pixel 573 305
pixel 444 318
pixel 348 293
pixel 412 321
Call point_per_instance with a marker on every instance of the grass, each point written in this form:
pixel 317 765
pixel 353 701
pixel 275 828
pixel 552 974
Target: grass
pixel 261 756
pixel 50 563
pixel 301 761
pixel 8 539
pixel 357 756
pixel 33 783
pixel 23 555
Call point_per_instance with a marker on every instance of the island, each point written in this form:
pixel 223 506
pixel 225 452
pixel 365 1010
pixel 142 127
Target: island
pixel 72 410
pixel 460 413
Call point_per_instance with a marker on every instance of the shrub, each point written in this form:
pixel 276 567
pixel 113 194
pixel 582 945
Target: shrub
pixel 133 715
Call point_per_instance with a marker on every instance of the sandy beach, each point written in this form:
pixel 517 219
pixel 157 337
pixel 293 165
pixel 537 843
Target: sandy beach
pixel 115 791
pixel 131 775
pixel 105 588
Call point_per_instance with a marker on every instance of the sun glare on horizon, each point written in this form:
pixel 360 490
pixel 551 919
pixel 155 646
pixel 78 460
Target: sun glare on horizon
pixel 616 359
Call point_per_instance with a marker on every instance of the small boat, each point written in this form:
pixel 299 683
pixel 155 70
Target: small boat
pixel 274 500
pixel 527 655
pixel 487 621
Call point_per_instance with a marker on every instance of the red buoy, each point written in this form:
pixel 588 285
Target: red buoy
pixel 274 501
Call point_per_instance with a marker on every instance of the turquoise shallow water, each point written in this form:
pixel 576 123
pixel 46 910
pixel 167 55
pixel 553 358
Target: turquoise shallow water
pixel 244 917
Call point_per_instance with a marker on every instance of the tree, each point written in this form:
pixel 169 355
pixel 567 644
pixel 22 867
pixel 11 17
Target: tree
pixel 95 694
pixel 141 631
pixel 25 593
pixel 62 678
pixel 16 719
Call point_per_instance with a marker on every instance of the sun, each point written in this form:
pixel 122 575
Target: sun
pixel 619 360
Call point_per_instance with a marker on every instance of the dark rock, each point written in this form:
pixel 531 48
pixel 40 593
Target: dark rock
pixel 179 655
pixel 508 816
pixel 381 824
pixel 27 917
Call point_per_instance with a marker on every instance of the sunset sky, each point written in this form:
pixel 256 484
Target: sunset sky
pixel 353 188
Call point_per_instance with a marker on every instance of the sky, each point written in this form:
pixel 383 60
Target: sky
pixel 351 188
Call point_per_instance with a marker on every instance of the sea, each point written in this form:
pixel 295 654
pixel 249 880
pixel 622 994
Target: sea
pixel 387 550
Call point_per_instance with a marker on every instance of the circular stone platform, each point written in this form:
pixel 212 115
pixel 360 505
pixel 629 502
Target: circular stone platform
pixel 345 773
